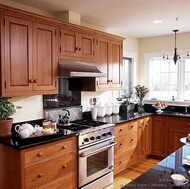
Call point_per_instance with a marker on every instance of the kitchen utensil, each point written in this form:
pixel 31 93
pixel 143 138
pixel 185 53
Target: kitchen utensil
pixel 179 180
pixel 24 133
pixel 48 131
pixel 31 129
pixel 93 102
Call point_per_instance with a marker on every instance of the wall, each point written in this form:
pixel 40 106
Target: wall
pixel 158 45
pixel 32 107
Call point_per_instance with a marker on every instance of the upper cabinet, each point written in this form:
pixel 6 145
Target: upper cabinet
pixel 76 44
pixel 109 60
pixel 32 44
pixel 30 60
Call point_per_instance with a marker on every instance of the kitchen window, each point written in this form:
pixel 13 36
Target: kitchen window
pixel 127 75
pixel 167 79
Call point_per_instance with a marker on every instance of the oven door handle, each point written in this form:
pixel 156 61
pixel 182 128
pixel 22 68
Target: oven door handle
pixel 98 150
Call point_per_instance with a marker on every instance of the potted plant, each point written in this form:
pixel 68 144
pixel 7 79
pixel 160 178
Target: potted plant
pixel 7 109
pixel 127 106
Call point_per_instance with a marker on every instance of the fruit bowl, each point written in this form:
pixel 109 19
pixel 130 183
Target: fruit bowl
pixel 159 105
pixel 159 108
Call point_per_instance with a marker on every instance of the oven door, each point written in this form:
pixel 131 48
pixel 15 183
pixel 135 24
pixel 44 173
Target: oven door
pixel 96 161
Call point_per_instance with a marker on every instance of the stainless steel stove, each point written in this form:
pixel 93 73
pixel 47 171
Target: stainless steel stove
pixel 91 132
pixel 96 151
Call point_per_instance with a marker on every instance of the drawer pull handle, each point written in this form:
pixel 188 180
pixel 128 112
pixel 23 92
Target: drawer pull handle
pixel 39 154
pixel 64 147
pixel 40 175
pixel 64 166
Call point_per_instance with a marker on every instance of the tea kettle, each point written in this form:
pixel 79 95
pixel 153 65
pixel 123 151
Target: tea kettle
pixel 64 120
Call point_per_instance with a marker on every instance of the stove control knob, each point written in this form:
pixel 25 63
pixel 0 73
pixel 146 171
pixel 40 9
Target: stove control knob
pixel 109 133
pixel 104 134
pixel 86 139
pixel 92 138
pixel 98 137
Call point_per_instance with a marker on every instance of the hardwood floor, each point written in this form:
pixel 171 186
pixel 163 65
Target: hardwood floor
pixel 133 172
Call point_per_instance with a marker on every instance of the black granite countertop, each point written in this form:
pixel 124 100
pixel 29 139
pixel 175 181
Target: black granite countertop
pixel 159 176
pixel 15 141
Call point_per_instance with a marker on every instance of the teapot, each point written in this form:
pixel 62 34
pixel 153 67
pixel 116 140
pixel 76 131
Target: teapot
pixel 27 126
pixel 24 133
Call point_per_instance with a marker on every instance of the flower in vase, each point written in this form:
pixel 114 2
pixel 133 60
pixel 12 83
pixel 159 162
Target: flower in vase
pixel 141 91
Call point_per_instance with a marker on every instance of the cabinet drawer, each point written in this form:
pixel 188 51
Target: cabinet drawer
pixel 125 142
pixel 49 171
pixel 123 128
pixel 49 151
pixel 125 160
pixel 66 182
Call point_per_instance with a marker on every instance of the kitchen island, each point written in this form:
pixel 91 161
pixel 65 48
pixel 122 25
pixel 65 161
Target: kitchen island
pixel 159 176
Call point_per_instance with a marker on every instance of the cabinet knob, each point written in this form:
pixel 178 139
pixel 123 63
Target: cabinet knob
pixel 39 154
pixel 64 166
pixel 120 130
pixel 64 147
pixel 77 48
pixel 120 162
pixel 131 140
pixel 131 126
pixel 35 80
pixel 31 81
pixel 120 144
pixel 40 175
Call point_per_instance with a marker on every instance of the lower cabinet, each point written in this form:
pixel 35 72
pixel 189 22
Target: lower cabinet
pixel 159 133
pixel 52 165
pixel 177 128
pixel 126 150
pixel 144 136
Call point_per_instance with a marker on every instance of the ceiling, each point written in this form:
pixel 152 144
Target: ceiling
pixel 128 17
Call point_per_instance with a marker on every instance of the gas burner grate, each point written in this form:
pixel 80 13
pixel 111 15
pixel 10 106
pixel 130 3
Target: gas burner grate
pixel 90 123
pixel 74 127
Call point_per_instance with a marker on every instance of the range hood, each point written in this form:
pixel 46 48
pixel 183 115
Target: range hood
pixel 72 68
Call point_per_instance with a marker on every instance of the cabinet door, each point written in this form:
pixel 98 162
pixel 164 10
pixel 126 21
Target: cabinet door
pixel 45 58
pixel 86 46
pixel 18 55
pixel 158 136
pixel 77 46
pixel 69 45
pixel 109 61
pixel 103 60
pixel 115 65
pixel 174 138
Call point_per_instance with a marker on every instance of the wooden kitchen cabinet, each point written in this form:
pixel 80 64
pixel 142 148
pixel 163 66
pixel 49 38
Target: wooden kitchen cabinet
pixel 52 165
pixel 159 135
pixel 126 151
pixel 177 128
pixel 144 136
pixel 77 44
pixel 109 61
pixel 29 49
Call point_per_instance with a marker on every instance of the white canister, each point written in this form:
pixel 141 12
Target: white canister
pixel 94 113
pixel 108 110
pixel 101 111
pixel 115 109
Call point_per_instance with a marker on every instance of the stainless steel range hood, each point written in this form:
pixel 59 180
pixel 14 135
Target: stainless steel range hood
pixel 70 68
